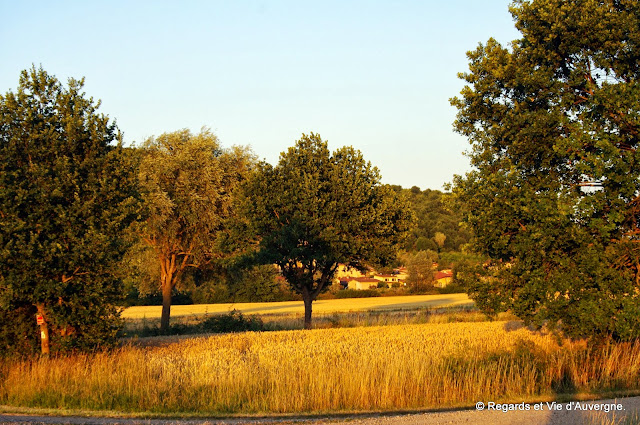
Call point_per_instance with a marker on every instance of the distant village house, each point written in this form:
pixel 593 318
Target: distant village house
pixel 349 278
pixel 443 278
pixel 359 283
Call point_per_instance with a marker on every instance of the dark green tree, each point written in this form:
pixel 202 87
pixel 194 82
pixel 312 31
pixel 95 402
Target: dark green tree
pixel 553 198
pixel 317 209
pixel 256 284
pixel 67 194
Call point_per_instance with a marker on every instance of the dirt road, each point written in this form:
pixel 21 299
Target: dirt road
pixel 557 414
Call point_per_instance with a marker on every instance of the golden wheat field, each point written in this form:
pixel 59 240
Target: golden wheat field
pixel 325 370
pixel 409 302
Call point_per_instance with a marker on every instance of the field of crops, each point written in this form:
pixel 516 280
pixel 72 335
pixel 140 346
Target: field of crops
pixel 410 302
pixel 326 370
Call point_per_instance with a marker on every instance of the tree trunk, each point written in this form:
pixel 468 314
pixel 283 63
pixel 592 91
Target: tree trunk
pixel 308 299
pixel 166 302
pixel 44 332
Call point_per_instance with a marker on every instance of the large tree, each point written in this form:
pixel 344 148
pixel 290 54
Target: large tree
pixel 187 182
pixel 316 209
pixel 553 198
pixel 67 194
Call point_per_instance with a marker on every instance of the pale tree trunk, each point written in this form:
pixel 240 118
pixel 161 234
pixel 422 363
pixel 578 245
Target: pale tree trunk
pixel 171 268
pixel 44 332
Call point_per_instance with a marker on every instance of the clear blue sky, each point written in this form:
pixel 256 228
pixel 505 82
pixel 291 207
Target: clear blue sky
pixel 376 75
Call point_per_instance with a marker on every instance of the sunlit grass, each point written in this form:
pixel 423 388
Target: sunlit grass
pixel 295 321
pixel 343 369
pixel 410 302
pixel 608 419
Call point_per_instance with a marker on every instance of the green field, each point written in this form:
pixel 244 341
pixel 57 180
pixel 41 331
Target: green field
pixel 410 302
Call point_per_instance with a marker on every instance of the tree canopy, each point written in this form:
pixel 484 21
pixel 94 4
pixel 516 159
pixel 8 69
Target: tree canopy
pixel 187 181
pixel 316 209
pixel 420 269
pixel 553 198
pixel 434 215
pixel 67 194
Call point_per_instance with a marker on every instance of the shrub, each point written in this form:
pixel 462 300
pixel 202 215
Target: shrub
pixel 357 293
pixel 234 321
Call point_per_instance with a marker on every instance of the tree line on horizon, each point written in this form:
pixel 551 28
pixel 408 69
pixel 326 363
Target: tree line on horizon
pixel 262 283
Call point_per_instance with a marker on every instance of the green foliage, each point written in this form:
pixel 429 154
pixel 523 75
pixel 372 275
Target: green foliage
pixel 234 321
pixel 67 195
pixel 465 267
pixel 240 283
pixel 440 239
pixel 133 298
pixel 434 216
pixel 553 199
pixel 317 209
pixel 212 292
pixel 421 270
pixel 357 293
pixel 188 181
pixel 453 288
pixel 17 331
pixel 423 244
pixel 257 284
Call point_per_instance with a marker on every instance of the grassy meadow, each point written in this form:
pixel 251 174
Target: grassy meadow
pixel 409 302
pixel 376 368
pixel 289 315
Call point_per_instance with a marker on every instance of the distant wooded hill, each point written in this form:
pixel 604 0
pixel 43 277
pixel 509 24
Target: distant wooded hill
pixel 430 207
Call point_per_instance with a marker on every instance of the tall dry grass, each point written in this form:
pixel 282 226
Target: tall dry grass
pixel 370 368
pixel 608 419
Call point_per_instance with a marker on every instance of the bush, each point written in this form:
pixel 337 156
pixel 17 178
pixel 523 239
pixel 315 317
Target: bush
pixel 452 288
pixel 211 292
pixel 234 321
pixel 18 332
pixel 329 295
pixel 134 298
pixel 357 293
